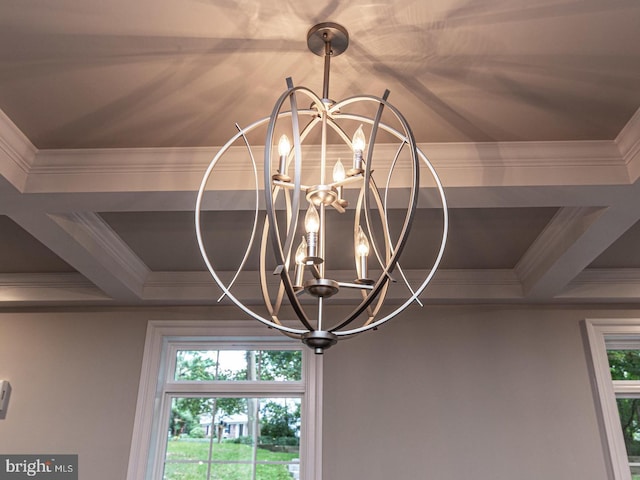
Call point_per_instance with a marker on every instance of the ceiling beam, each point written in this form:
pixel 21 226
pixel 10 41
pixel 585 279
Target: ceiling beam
pixel 573 239
pixel 89 245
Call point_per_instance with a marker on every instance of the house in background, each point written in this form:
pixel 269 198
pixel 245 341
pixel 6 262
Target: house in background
pixel 110 112
pixel 233 426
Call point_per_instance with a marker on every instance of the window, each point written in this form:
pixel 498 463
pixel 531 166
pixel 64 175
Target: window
pixel 225 407
pixel 615 351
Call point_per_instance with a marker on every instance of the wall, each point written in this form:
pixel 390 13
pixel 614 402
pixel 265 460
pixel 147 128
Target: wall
pixel 486 393
pixel 74 380
pixel 450 393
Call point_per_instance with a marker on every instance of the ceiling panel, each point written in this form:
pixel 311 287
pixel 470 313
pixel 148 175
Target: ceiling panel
pixel 21 253
pixel 479 238
pixel 121 74
pixel 623 253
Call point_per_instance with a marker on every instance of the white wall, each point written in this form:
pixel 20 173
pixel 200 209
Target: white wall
pixel 74 380
pixel 484 393
pixel 451 393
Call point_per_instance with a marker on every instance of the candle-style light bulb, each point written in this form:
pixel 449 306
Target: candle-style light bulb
pixel 284 146
pixel 312 220
pixel 338 176
pixel 338 172
pixel 358 144
pixel 362 244
pixel 362 251
pixel 301 254
pixel 312 226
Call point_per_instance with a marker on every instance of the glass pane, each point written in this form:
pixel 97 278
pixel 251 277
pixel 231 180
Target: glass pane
pixel 232 471
pixel 624 364
pixel 185 471
pixel 239 365
pixel 281 366
pixel 279 429
pixel 629 409
pixel 277 472
pixel 190 425
pixel 231 434
pixel 196 365
pixel 233 364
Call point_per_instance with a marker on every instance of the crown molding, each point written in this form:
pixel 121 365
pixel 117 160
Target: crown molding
pixel 458 165
pixel 17 153
pixel 628 141
pixel 48 288
pixel 604 285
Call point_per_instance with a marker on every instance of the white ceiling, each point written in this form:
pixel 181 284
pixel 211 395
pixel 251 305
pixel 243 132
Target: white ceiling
pixel 111 110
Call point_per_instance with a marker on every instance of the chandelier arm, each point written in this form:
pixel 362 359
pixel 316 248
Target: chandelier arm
pixel 406 227
pixel 380 296
pixel 383 221
pixel 338 129
pixel 297 154
pixel 373 294
pixel 292 220
pixel 386 198
pixel 304 133
pixel 281 290
pixel 263 272
pixel 271 214
pixel 366 301
pixel 434 268
pixel 335 110
pixel 274 310
pixel 388 249
pixel 369 161
pixel 379 303
pixel 199 237
pixel 255 216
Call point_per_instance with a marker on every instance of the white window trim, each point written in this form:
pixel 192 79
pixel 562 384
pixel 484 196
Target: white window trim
pixel 141 458
pixel 601 332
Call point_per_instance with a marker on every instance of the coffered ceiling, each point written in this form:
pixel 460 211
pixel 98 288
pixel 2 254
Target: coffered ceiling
pixel 111 110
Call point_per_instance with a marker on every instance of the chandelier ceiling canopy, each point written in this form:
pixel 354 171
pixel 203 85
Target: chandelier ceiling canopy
pixel 304 186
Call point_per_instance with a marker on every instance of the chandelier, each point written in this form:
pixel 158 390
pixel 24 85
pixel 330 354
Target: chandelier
pixel 301 200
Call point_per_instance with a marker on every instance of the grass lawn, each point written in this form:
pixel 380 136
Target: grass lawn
pixel 192 456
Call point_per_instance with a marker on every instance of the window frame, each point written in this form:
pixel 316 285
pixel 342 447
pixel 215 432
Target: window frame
pixel 157 387
pixel 603 335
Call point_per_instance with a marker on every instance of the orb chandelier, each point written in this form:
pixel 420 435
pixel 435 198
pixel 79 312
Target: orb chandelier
pixel 301 198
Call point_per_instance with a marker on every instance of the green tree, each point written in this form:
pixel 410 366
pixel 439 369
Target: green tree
pixel 278 420
pixel 180 421
pixel 202 366
pixel 280 365
pixel 625 365
pixel 265 365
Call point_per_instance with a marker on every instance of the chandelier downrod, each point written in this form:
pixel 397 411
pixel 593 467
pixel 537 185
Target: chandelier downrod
pixel 327 40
